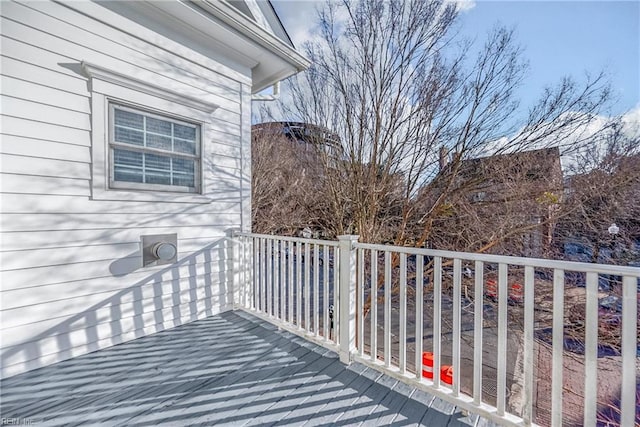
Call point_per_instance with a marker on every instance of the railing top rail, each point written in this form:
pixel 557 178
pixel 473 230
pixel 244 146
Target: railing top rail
pixel 511 260
pixel 331 243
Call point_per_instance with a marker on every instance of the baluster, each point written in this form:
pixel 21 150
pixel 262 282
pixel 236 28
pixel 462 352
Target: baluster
pixel 373 311
pixel 419 313
pixel 387 309
pixel 402 354
pixel 558 347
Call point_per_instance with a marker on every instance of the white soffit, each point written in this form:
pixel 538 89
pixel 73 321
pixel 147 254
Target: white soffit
pixel 270 58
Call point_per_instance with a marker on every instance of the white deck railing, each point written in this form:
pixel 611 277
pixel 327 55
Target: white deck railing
pixel 291 281
pixel 511 355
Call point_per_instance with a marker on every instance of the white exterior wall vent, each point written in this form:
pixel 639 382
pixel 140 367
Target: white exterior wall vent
pixel 159 249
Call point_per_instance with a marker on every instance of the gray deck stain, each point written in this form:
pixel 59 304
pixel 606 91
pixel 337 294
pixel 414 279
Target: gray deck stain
pixel 231 369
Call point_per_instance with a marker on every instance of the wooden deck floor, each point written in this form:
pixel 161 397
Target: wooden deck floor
pixel 230 369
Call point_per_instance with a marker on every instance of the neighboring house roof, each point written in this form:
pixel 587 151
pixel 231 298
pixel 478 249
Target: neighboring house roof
pixel 541 164
pixel 539 170
pixel 302 133
pixel 299 131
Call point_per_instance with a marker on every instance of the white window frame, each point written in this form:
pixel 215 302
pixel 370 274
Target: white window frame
pixel 111 88
pixel 197 157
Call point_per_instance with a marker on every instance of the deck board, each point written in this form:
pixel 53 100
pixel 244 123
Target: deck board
pixel 229 369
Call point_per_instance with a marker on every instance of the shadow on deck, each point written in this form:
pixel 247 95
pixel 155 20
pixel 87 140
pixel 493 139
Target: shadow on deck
pixel 229 369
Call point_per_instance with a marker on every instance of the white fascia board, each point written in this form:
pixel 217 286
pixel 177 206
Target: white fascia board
pixel 257 34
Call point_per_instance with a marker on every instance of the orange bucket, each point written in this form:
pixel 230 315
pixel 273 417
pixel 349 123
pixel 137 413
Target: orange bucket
pixel 492 289
pixel 516 292
pixel 446 374
pixel 427 365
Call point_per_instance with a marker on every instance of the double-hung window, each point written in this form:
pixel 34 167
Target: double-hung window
pixel 148 151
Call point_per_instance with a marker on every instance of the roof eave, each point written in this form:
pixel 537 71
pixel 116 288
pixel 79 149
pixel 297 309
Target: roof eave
pixel 255 33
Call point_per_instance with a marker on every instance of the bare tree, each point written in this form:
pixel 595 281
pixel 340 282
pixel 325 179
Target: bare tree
pixel 287 184
pixel 505 203
pixel 603 189
pixel 389 79
pixel 371 82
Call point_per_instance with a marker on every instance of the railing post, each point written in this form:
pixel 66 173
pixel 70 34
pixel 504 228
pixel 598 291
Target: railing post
pixel 233 266
pixel 347 295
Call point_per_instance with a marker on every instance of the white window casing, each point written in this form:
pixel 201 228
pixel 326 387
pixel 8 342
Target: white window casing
pixel 117 159
pixel 152 152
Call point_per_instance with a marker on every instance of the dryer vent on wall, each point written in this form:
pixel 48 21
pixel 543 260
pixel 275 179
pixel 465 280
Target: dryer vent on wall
pixel 159 249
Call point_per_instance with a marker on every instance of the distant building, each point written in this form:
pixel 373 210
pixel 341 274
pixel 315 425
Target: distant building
pixel 503 194
pixel 309 136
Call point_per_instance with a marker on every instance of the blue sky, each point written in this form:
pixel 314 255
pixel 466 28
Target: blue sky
pixel 569 38
pixel 559 38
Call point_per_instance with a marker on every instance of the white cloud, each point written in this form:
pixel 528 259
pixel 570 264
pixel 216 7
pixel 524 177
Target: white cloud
pixel 597 143
pixel 464 5
pixel 299 18
pixel 631 120
pixel 583 144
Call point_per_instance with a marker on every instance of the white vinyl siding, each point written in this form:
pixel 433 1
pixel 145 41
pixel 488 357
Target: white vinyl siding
pixel 71 273
pixel 151 152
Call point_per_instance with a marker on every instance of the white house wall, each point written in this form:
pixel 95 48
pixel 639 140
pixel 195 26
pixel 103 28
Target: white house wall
pixel 72 280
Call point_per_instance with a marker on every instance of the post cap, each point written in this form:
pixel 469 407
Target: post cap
pixel 349 237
